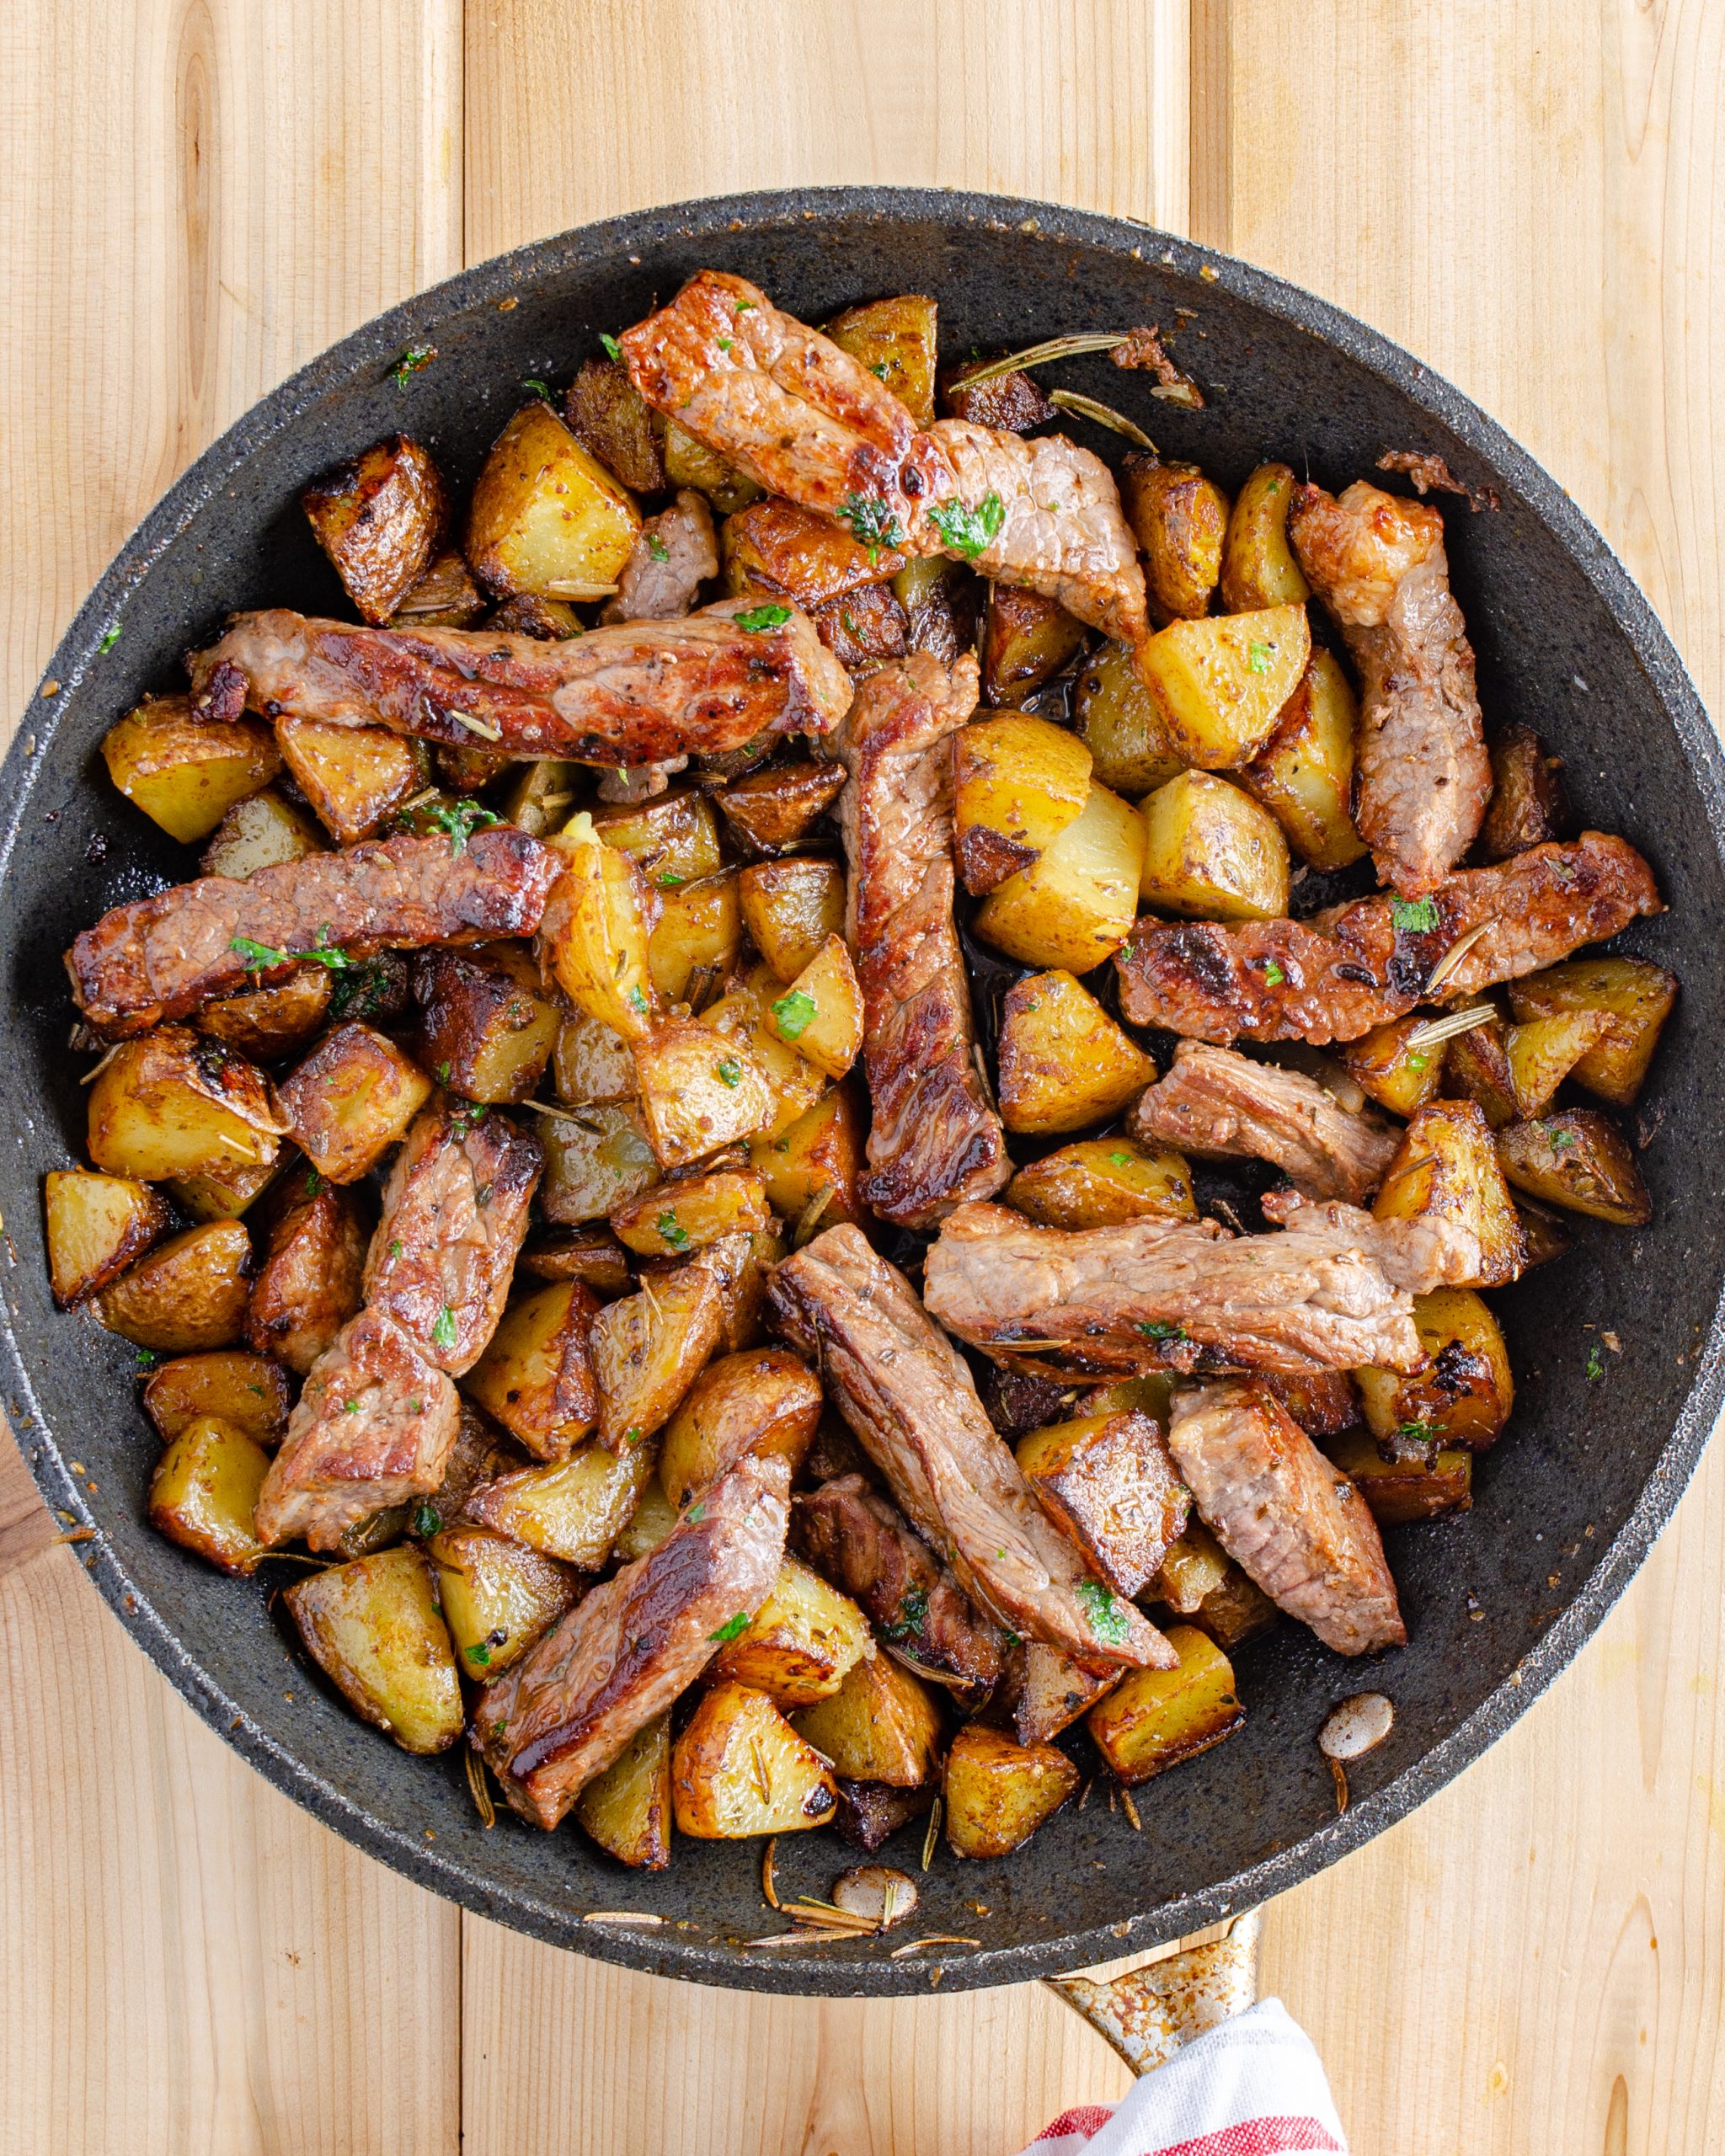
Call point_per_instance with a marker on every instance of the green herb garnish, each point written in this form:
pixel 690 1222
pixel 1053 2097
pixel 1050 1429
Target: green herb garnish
pixel 1121 1160
pixel 458 819
pixel 1412 917
pixel 669 880
pixel 879 369
pixel 728 1073
pixel 1159 1330
pixel 657 547
pixel 672 1232
pixel 793 1014
pixel 1418 1062
pixel 1106 1618
pixel 443 1332
pixel 314 1182
pixel 871 522
pixel 965 531
pixel 1418 1433
pixel 1257 658
pixel 539 388
pixel 110 637
pixel 1273 974
pixel 1594 1367
pixel 636 1000
pixel 726 343
pixel 427 1521
pixel 1559 1141
pixel 732 1628
pixel 909 1618
pixel 614 350
pixel 696 1513
pixel 395 1245
pixel 479 1653
pixel 413 361
pixel 147 1358
pixel 755 619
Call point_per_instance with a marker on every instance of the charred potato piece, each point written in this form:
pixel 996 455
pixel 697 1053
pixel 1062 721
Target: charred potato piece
pixel 184 775
pixel 592 1256
pixel 375 1628
pixel 379 518
pixel 1013 401
pixel 649 1348
pixel 881 1725
pixel 1120 723
pixel 1476 1066
pixel 497 1596
pixel 610 418
pixel 762 1400
pixel 1577 1159
pixel 594 935
pixel 1212 852
pixel 1259 568
pixel 743 1265
pixel 1025 640
pixel 740 1769
pixel 446 597
pixel 740 1018
pixel 541 796
pixel 1044 1691
pixel 1075 904
pixel 170 1104
pixel 485 1025
pixel 532 614
pixel 816 1161
pixel 651 1521
pixel 1180 519
pixel 783 550
pixel 1063 1062
pixel 1528 805
pixel 266 1023
pixel 699 940
pixel 309 1286
pixel 1400 1491
pixel 1385 1064
pixel 591 1062
pixel 262 831
pixel 1545 1232
pixel 1304 773
pixel 351 1100
pixel 672 838
pixel 205 1490
pixel 895 339
pixel 943 602
pixel 774 811
pixel 545 516
pixel 1321 1402
pixel 698 1090
pixel 627 1808
pixel 353 776
pixel 1107 1481
pixel 97 1225
pixel 221 1193
pixel 1464 1394
pixel 1100 1183
pixel 821 1013
pixel 470 770
pixel 1155 1718
pixel 800 1644
pixel 690 463
pixel 189 1294
pixel 246 1392
pixel 1219 684
pixel 1635 995
pixel 596 1160
pixel 677 1218
pixel 1542 1053
pixel 1447 1169
pixel 573 1509
pixel 1194 1567
pixel 790 908
pixel 1236 1610
pixel 863 629
pixel 536 1377
pixel 1018 781
pixel 998 1793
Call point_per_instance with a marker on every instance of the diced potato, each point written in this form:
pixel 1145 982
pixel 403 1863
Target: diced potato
pixel 739 1769
pixel 379 517
pixel 821 1013
pixel 790 908
pixel 1578 1160
pixel 1074 905
pixel 1063 1061
pixel 627 1808
pixel 374 1627
pixel 446 597
pixel 1044 1691
pixel 672 838
pixel 649 1348
pixel 1025 640
pixel 1259 568
pixel 593 1256
pixel 1447 1170
pixel 535 1377
pixel 249 1392
pixel 498 1596
pixel 698 1090
pixel 1180 519
pixel 591 1062
pixel 881 1725
pixel 800 1643
pixel 864 628
pixel 690 463
pixel 699 940
pixel 185 774
pixel 740 1016
pixel 266 1023
pixel 998 1793
pixel 1108 1482
pixel 595 1161
pixel 97 1225
pixel 308 1285
pixel 762 1400
pixel 262 831
pixel 593 936
pixel 608 415
pixel 1155 1718
pixel 1219 684
pixel 1212 852
pixel 1193 1570
pixel 743 1265
pixel 1120 723
pixel 774 811
pixel 190 1293
pixel 1477 1067
pixel 894 339
pixel 817 1159
pixel 1528 804
pixel 652 1520
pixel 541 796
pixel 573 1509
pixel 1019 781
pixel 353 776
pixel 205 1490
pixel 1304 773
pixel 1548 1238
pixel 223 1193
pixel 170 1104
pixel 1400 1077
pixel 1635 995
pixel 351 1100
pixel 786 551
pixel 1464 1394
pixel 1236 1611
pixel 1542 1053
pixel 545 516
pixel 1399 1491
pixel 484 1021
pixel 678 1217
pixel 1321 1401
pixel 381 1531
pixel 943 602
pixel 1101 1181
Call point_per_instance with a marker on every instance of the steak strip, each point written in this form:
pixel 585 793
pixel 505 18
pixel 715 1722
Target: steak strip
pixel 161 958
pixel 1424 1252
pixel 909 1397
pixel 934 1138
pixel 1344 971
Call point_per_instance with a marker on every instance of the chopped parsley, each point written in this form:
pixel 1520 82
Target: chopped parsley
pixel 539 388
pixel 416 1407
pixel 413 361
pixel 1418 1061
pixel 109 638
pixel 260 956
pixel 1121 1160
pixel 755 619
pixel 732 1628
pixel 794 1013
pixel 147 1358
pixel 727 343
pixel 1412 917
pixel 871 523
pixel 631 1436
pixel 1160 1331
pixel 349 1406
pixel 672 1232
pixel 427 1521
pixel 1257 658
pixel 395 1245
pixel 657 547
pixel 911 1615
pixel 696 1513
pixel 1273 974
pixel 668 879
pixel 314 1182
pixel 1106 1618
pixel 1559 1141
pixel 1594 1367
pixel 443 1072
pixel 458 819
pixel 479 1653
pixel 360 992
pixel 636 1000
pixel 614 350
pixel 1418 1433
pixel 965 531
pixel 745 306
pixel 443 1332
pixel 727 1073
pixel 879 369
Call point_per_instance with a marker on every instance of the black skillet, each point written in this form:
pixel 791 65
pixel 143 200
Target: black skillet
pixel 1566 1505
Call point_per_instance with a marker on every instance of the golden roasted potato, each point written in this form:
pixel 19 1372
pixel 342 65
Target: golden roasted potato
pixel 591 1062
pixel 374 1627
pixel 1155 1718
pixel 699 940
pixel 184 774
pixel 1019 781
pixel 546 517
pixel 351 1100
pixel 761 1399
pixel 1025 640
pixel 1044 1691
pixel 1063 1061
pixel 1120 723
pixel 740 1016
pixel 353 776
pixel 1398 1492
pixel 1465 1394
pixel 1259 568
pixel 265 1023
pixel 205 1491
pixel 1180 519
pixel 743 1265
pixel 593 1256
pixel 864 627
pixel 627 1809
pixel 698 1090
pixel 497 1596
pixel 1321 1401
pixel 608 416
pixel 881 1725
pixel 1236 1611
pixel 816 1160
pixel 790 908
pixel 97 1225
pixel 1100 1182
pixel 690 463
pixel 1638 997
pixel 1107 1481
pixel 1542 1053
pixel 535 1377
pixel 1304 773
pixel 573 1508
pixel 597 1159
pixel 541 796
pixel 308 1285
pixel 1447 1170
pixel 943 602
pixel 821 1013
pixel 486 1027
pixel 774 811
pixel 1528 804
pixel 650 1348
pixel 675 1218
pixel 379 517
pixel 261 831
pixel 188 1294
pixel 170 1104
pixel 1546 1236
pixel 672 838
pixel 1477 1067
pixel 897 339
pixel 739 1769
pixel 1212 852
pixel 593 937
pixel 1580 1160
pixel 1075 904
pixel 249 1392
pixel 1219 684
pixel 998 1793
pixel 647 1526
pixel 1194 1567
pixel 786 551
pixel 800 1644
pixel 1400 1076
pixel 446 597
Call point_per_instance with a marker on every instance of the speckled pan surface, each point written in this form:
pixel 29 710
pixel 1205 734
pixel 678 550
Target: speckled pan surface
pixel 1565 1507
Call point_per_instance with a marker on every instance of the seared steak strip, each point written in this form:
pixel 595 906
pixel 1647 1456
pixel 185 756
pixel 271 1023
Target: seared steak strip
pixel 855 1538
pixel 1161 1294
pixel 161 958
pixel 1425 1252
pixel 907 1394
pixel 1378 563
pixel 375 1426
pixel 1339 974
pixel 636 692
pixel 567 1708
pixel 1292 1522
pixel 934 1138
pixel 1217 1103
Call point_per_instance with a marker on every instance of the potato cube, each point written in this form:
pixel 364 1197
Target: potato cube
pixel 535 1377
pixel 1192 1570
pixel 817 1160
pixel 1212 852
pixel 1580 1161
pixel 864 628
pixel 1025 640
pixel 1304 773
pixel 97 1225
pixel 790 908
pixel 221 1193
pixel 627 1809
pixel 690 463
pixel 1528 805
pixel 678 1217
pixel 1106 1481
pixel 1019 781
pixel 740 1016
pixel 309 1286
pixel 1447 1170
pixel 1155 1718
pixel 1120 723
pixel 698 1091
pixel 773 811
pixel 699 940
pixel 1044 1691
pixel 1221 683
pixel 943 601
pixel 446 597
pixel 1464 1394
pixel 739 1769
pixel 594 934
pixel 497 1596
pixel 1477 1067
pixel 608 415
pixel 1636 996
pixel 248 1391
pixel 672 838
pixel 1063 1061
pixel 1398 1491
pixel 1075 904
pixel 821 1013
pixel 379 517
pixel 1259 568
pixel 351 1100
pixel 205 1490
pixel 545 516
pixel 266 1023
pixel 649 1348
pixel 1401 1076
pixel 1180 519
pixel 647 1527
pixel 184 775
pixel 1101 1181
pixel 596 1160
pixel 998 1793
pixel 374 1627
pixel 573 1509
pixel 786 551
pixel 190 1293
pixel 170 1104
pixel 1236 1610
pixel 353 776
pixel 742 1265
pixel 800 1643
pixel 1542 1053
pixel 591 1062
pixel 486 1028
pixel 881 1725
pixel 895 339
pixel 263 831
pixel 543 793
pixel 762 1400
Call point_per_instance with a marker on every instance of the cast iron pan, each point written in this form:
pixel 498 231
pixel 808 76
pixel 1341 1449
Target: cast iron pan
pixel 1567 1505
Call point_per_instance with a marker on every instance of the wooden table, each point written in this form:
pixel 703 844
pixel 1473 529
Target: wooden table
pixel 201 194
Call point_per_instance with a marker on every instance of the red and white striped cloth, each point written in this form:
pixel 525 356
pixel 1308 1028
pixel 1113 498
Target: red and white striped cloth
pixel 1252 2086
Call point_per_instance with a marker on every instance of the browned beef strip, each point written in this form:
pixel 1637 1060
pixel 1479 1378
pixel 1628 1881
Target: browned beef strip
pixel 1336 976
pixel 1291 1521
pixel 934 1136
pixel 1378 563
pixel 568 1706
pixel 375 1426
pixel 636 692
pixel 161 958
pixel 1425 1250
pixel 905 1391
pixel 1216 1102
pixel 455 1214
pixel 852 1536
pixel 1159 1294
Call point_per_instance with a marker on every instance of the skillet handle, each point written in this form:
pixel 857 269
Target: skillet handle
pixel 1149 2012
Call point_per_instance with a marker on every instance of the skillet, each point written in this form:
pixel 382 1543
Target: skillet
pixel 1589 1468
